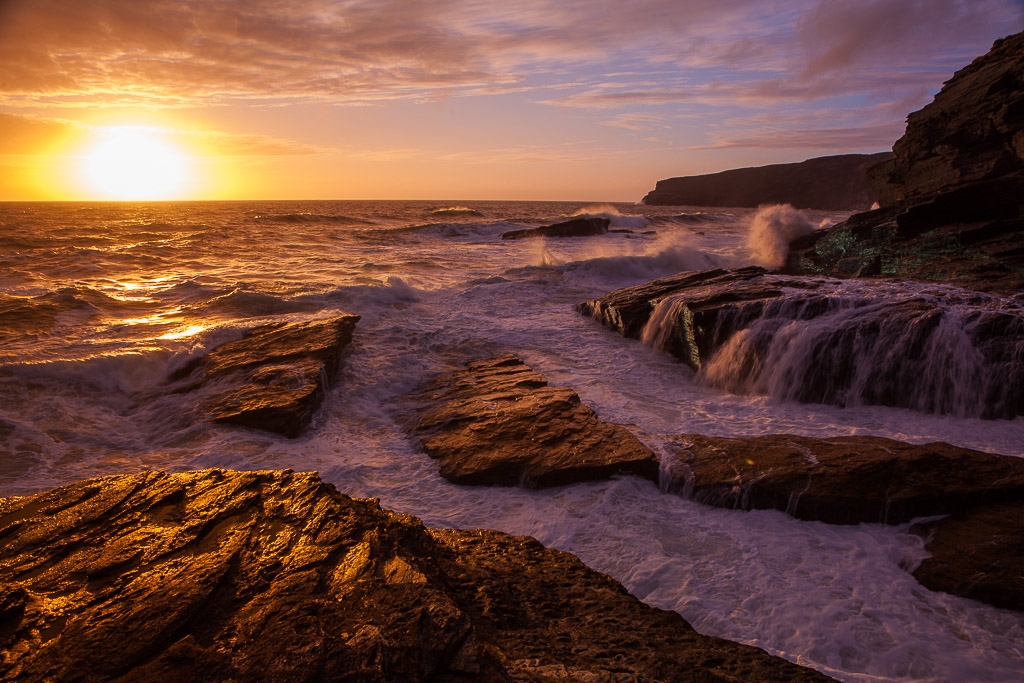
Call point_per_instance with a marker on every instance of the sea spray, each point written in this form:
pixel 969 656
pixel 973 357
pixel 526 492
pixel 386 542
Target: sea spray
pixel 771 230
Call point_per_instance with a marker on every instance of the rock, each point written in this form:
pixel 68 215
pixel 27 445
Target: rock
pixel 577 227
pixel 275 377
pixel 834 182
pixel 822 340
pixel 978 554
pixel 497 422
pixel 972 131
pixel 842 480
pixel 952 196
pixel 218 575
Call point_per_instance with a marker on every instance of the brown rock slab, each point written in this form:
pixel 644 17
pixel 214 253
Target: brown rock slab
pixel 843 480
pixel 577 227
pixel 218 575
pixel 497 422
pixel 275 377
pixel 978 554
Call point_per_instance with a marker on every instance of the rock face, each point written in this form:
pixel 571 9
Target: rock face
pixel 952 196
pixel 273 378
pixel 499 423
pixel 835 182
pixel 978 554
pixel 577 227
pixel 843 480
pixel 217 575
pixel 821 340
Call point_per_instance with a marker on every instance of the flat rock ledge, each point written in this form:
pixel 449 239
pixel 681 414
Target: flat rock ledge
pixel 577 227
pixel 219 575
pixel 497 422
pixel 274 378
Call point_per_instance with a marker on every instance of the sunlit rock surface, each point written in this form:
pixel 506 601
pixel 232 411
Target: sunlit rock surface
pixel 953 195
pixel 273 378
pixel 577 227
pixel 842 480
pixel 979 554
pixel 930 348
pixel 498 422
pixel 219 575
pixel 833 182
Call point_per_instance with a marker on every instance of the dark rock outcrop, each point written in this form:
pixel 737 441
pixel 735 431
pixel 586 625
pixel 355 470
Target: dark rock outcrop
pixel 273 378
pixel 953 194
pixel 979 554
pixel 842 480
pixel 834 182
pixel 577 227
pixel 217 575
pixel 821 340
pixel 497 422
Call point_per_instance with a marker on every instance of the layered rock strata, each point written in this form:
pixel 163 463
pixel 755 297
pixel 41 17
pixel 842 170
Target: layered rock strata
pixel 824 340
pixel 834 182
pixel 218 575
pixel 953 194
pixel 274 378
pixel 497 422
pixel 577 227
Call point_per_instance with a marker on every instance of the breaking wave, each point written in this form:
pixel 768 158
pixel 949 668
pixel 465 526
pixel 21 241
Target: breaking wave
pixel 771 230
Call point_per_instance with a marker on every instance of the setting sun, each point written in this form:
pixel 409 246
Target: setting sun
pixel 134 163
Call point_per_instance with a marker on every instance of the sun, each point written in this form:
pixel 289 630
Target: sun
pixel 134 163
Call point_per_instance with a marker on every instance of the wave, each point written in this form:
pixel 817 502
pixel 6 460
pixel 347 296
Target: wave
pixel 455 211
pixel 615 219
pixel 772 228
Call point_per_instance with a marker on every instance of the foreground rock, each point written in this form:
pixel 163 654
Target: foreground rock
pixel 843 480
pixel 834 182
pixel 577 227
pixel 499 423
pixel 217 575
pixel 979 554
pixel 822 340
pixel 273 378
pixel 953 195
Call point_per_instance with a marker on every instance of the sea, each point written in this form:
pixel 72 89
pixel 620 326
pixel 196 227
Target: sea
pixel 101 302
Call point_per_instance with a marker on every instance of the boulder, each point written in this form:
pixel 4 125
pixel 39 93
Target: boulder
pixel 275 576
pixel 577 227
pixel 823 340
pixel 842 480
pixel 273 378
pixel 834 182
pixel 497 422
pixel 978 554
pixel 952 196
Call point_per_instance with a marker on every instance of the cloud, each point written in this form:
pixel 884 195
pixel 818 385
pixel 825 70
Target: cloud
pixel 875 137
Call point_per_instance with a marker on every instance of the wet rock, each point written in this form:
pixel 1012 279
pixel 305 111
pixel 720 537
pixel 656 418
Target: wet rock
pixel 218 575
pixel 275 377
pixel 822 340
pixel 833 182
pixel 497 422
pixel 842 480
pixel 577 227
pixel 978 554
pixel 952 196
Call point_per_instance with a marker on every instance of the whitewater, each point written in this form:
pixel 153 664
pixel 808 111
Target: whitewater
pixel 101 302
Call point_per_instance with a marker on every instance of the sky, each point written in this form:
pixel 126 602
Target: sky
pixel 457 99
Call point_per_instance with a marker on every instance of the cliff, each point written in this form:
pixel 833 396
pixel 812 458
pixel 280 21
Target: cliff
pixel 833 182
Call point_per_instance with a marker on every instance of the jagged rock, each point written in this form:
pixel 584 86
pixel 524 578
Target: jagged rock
pixel 842 480
pixel 973 130
pixel 952 196
pixel 821 340
pixel 273 378
pixel 577 227
pixel 275 576
pixel 834 182
pixel 979 554
pixel 497 422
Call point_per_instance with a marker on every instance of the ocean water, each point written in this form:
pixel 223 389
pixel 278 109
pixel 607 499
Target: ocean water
pixel 100 302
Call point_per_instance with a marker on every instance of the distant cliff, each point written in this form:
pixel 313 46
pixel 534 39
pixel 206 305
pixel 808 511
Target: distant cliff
pixel 835 182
